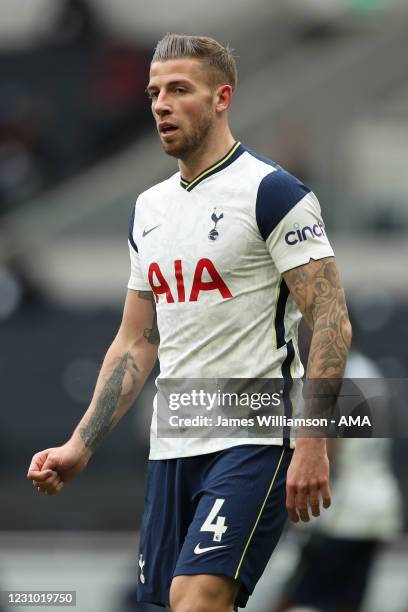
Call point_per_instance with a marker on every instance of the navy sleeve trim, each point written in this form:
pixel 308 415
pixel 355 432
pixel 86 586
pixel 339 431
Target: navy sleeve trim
pixel 278 193
pixel 130 235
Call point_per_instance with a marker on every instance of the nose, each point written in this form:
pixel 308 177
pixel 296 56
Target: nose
pixel 162 105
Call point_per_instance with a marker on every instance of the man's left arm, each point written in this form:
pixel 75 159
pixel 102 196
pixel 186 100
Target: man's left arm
pixel 317 290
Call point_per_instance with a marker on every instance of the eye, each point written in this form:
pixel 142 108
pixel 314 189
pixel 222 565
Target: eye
pixel 152 95
pixel 180 90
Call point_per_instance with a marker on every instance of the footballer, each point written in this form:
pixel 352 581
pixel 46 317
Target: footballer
pixel 226 256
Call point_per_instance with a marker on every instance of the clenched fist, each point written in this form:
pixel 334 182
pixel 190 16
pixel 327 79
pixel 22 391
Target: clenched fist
pixel 51 468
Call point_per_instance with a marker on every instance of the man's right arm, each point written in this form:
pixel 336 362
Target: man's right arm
pixel 126 366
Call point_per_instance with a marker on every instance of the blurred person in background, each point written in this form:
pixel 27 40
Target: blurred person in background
pixel 22 172
pixel 334 567
pixel 73 98
pixel 74 21
pixel 23 163
pixel 230 247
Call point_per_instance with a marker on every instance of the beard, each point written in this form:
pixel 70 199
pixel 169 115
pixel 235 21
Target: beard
pixel 188 144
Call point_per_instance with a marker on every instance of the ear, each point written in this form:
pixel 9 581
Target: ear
pixel 223 98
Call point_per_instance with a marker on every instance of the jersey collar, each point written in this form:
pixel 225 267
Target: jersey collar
pixel 235 151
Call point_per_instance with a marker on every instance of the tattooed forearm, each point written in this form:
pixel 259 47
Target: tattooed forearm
pixel 102 419
pixel 151 333
pixel 317 290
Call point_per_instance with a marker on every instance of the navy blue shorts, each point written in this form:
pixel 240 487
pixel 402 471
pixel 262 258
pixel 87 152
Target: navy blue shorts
pixel 219 513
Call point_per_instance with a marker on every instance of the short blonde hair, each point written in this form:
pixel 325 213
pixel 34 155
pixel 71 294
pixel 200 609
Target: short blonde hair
pixel 220 59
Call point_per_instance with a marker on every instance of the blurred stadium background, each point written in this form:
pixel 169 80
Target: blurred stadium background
pixel 323 90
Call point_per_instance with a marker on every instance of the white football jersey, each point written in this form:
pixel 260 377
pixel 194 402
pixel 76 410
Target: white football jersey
pixel 213 250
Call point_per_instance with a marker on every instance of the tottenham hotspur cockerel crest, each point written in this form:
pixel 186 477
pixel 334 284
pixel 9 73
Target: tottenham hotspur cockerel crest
pixel 213 235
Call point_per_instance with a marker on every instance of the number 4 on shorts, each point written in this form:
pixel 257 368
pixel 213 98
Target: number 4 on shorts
pixel 219 527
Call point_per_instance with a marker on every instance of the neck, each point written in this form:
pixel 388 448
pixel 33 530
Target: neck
pixel 214 148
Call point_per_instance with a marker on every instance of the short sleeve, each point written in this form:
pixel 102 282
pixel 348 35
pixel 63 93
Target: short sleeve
pixel 289 220
pixel 136 280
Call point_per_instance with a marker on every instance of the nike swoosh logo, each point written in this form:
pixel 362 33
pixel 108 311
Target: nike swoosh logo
pixel 199 551
pixel 145 232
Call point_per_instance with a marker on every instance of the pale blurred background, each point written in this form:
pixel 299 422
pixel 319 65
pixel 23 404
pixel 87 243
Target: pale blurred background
pixel 323 90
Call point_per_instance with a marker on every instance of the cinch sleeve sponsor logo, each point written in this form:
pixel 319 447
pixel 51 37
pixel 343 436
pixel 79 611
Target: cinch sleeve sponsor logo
pixel 160 286
pixel 299 234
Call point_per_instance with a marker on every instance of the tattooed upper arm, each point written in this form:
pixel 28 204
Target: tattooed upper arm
pixel 316 287
pixel 318 292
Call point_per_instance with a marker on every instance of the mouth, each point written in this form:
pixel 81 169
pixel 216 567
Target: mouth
pixel 167 130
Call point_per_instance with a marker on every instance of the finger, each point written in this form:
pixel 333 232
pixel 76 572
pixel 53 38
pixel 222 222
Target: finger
pixel 40 475
pixel 301 504
pixel 51 463
pixel 44 491
pixel 37 462
pixel 291 503
pixel 314 500
pixel 50 484
pixel 50 490
pixel 56 489
pixel 325 493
